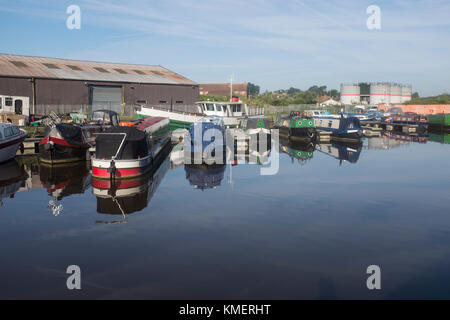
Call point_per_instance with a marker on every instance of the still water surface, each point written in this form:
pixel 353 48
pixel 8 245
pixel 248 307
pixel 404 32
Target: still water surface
pixel 309 231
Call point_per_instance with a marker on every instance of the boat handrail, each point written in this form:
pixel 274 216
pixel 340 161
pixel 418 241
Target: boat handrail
pixel 121 144
pixel 168 110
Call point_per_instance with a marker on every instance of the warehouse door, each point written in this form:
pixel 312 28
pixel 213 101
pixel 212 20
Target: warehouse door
pixel 106 98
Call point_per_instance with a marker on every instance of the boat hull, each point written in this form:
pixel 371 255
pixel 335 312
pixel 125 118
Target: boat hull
pixel 344 129
pixel 8 150
pixel 300 130
pixel 128 169
pixel 347 136
pixel 59 151
pixel 439 122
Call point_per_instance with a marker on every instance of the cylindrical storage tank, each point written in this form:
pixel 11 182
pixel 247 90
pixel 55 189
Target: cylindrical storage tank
pixel 379 93
pixel 406 93
pixel 396 94
pixel 350 94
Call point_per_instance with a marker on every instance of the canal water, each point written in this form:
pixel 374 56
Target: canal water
pixel 228 232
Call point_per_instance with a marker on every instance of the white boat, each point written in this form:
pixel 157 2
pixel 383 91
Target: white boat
pixel 178 119
pixel 11 137
pixel 230 112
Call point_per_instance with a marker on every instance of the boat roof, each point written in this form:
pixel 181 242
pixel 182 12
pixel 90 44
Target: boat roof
pixel 6 125
pixel 213 119
pixel 220 102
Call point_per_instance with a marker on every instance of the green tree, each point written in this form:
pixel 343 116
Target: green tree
pixel 253 89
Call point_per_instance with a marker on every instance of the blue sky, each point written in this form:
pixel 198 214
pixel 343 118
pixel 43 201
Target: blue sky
pixel 273 43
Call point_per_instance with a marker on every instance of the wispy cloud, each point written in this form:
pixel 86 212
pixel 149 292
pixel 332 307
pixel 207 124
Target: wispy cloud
pixel 259 38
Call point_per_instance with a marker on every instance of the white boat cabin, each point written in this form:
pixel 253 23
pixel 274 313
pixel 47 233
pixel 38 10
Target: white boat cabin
pixel 222 109
pixel 14 104
pixel 9 132
pixel 316 113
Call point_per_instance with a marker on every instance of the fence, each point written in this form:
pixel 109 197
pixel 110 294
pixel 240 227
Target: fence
pixel 288 109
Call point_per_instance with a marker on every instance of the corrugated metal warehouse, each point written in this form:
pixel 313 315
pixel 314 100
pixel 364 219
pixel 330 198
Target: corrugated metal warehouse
pixel 68 85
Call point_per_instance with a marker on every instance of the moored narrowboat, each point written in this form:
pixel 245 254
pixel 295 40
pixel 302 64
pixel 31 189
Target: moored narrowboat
pixel 296 128
pixel 63 143
pixel 130 195
pixel 342 128
pixel 130 151
pixel 409 118
pixel 439 122
pixel 70 142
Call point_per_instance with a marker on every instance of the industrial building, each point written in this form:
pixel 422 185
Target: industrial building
pixel 64 86
pixel 380 93
pixel 224 89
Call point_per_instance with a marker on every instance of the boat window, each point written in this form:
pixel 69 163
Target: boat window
pixel 8 132
pixel 115 121
pixel 15 130
pixel 1 137
pixel 210 107
pixel 8 102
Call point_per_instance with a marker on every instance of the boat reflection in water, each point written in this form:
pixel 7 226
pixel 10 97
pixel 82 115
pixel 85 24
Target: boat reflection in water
pixel 13 178
pixel 411 137
pixel 297 150
pixel 203 176
pixel 384 143
pixel 342 151
pixel 128 196
pixel 62 181
pixel 443 138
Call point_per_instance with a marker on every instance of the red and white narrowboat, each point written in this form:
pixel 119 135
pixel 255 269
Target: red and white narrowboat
pixel 127 152
pixel 11 138
pixel 70 142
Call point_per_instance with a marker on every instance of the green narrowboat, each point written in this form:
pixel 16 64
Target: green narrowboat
pixel 296 128
pixel 439 121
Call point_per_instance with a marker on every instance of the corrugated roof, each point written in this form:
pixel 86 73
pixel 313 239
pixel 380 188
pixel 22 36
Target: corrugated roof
pixel 53 68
